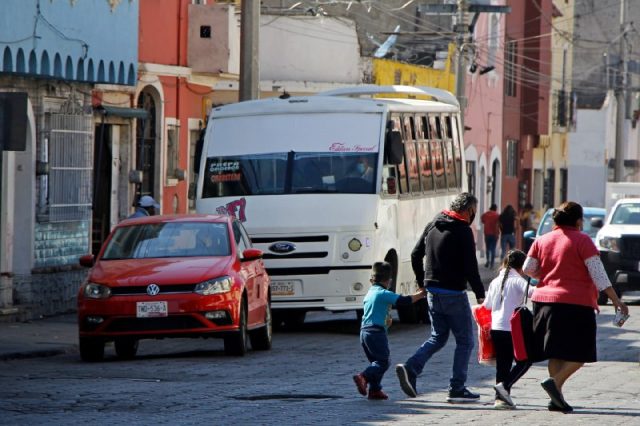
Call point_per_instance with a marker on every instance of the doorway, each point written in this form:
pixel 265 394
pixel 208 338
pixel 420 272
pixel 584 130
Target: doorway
pixel 102 155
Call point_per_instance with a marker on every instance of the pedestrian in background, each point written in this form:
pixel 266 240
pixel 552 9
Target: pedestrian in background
pixel 526 218
pixel 491 231
pixel 570 274
pixel 146 206
pixel 373 330
pixel 505 294
pixel 507 222
pixel 449 253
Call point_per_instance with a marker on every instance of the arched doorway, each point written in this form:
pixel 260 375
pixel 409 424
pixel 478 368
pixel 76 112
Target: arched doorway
pixel 495 178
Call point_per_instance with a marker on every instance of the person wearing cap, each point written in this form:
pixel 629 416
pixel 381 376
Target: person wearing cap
pixel 146 206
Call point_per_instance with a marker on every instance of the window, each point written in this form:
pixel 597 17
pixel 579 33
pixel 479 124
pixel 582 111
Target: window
pixel 437 153
pixel 409 136
pixel 173 132
pixel 564 182
pixel 471 177
pixel 70 179
pixel 512 158
pixel 510 67
pixel 449 153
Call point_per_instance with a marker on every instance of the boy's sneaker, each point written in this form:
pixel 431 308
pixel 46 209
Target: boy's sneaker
pixel 501 393
pixel 361 383
pixel 462 395
pixel 407 380
pixel 378 394
pixel 501 405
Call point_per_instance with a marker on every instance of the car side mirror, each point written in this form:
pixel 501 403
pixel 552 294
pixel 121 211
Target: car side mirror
pixel 251 254
pixel 529 235
pixel 87 260
pixel 393 147
pixel 596 222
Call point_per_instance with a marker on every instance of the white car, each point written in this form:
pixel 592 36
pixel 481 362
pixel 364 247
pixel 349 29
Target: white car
pixel 619 243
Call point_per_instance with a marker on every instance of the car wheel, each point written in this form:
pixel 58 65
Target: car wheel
pixel 91 349
pixel 236 343
pixel 261 337
pixel 126 348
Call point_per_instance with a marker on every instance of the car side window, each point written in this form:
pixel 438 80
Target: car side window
pixel 241 243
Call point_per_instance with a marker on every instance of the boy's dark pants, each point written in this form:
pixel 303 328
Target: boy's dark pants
pixel 376 347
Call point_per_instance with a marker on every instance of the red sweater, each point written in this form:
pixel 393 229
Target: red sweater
pixel 564 276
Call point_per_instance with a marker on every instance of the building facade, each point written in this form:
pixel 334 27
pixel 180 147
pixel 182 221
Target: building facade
pixel 56 53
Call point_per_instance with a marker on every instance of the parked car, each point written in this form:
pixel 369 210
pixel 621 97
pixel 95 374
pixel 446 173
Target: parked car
pixel 592 222
pixel 592 215
pixel 174 276
pixel 619 243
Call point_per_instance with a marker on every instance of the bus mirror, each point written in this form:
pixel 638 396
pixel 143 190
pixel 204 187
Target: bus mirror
pixel 393 147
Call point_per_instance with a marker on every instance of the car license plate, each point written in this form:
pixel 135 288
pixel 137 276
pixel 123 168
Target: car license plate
pixel 151 309
pixel 283 287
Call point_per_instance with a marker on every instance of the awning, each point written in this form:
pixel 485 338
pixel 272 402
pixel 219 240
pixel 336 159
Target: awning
pixel 123 112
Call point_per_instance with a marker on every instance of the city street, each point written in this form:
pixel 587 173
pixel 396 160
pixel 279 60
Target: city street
pixel 305 379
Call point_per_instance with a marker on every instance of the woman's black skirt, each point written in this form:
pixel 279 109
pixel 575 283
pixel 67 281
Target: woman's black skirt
pixel 563 331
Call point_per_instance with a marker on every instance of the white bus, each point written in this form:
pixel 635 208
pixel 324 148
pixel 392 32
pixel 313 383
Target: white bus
pixel 328 184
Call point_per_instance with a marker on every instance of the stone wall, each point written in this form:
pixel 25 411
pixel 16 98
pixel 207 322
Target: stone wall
pixel 51 293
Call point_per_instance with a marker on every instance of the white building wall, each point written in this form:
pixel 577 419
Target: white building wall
pixel 309 49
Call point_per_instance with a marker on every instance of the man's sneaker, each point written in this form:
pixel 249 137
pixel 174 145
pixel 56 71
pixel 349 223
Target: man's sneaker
pixel 501 393
pixel 462 395
pixel 361 383
pixel 407 380
pixel 501 405
pixel 377 395
pixel 549 385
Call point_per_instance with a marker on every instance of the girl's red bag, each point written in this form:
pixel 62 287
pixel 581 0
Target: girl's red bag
pixel 486 349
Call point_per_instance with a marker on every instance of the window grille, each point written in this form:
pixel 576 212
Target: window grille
pixel 512 158
pixel 70 167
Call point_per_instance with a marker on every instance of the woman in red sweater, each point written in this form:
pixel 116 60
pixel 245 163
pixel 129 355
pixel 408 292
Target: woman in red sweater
pixel 570 271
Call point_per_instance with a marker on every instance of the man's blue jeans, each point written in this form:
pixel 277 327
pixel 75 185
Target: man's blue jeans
pixel 448 312
pixel 490 242
pixel 376 347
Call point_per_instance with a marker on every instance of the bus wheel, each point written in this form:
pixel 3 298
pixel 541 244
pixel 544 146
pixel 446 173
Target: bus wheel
pixel 407 314
pixel 289 319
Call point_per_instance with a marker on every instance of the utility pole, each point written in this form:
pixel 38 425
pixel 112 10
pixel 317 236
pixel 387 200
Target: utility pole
pixel 461 30
pixel 249 31
pixel 620 90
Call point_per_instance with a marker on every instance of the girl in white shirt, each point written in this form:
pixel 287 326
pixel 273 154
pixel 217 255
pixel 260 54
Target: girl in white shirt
pixel 505 294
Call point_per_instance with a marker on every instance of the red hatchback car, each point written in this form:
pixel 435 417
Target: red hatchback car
pixel 174 276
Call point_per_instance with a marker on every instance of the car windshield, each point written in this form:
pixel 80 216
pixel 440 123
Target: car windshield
pixel 547 223
pixel 290 173
pixel 626 214
pixel 171 239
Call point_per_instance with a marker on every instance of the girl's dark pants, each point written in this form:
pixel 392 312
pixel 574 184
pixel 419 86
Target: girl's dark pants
pixel 505 374
pixel 376 347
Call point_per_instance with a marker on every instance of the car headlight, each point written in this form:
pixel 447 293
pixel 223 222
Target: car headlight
pixel 610 243
pixel 96 291
pixel 214 286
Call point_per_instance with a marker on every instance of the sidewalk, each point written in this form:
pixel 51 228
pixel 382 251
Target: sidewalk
pixel 37 338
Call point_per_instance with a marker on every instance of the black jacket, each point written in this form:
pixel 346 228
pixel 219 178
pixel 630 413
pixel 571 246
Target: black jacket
pixel 449 252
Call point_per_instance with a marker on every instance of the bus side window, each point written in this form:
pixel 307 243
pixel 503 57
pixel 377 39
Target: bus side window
pixel 424 159
pixel 457 151
pixel 448 146
pixel 402 168
pixel 410 153
pixel 437 156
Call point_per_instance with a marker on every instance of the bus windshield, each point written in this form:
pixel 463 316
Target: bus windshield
pixel 290 173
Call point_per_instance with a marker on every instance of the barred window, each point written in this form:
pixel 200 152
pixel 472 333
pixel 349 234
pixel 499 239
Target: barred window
pixel 512 158
pixel 173 132
pixel 510 67
pixel 70 166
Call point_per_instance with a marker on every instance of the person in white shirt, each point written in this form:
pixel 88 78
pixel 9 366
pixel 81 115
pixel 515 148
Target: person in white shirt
pixel 505 294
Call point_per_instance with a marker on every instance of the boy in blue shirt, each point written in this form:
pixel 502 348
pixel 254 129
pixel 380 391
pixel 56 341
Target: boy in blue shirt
pixel 373 330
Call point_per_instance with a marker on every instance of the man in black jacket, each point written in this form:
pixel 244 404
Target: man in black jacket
pixel 448 249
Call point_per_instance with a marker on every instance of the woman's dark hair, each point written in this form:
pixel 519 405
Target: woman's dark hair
pixel 381 271
pixel 508 213
pixel 514 259
pixel 463 202
pixel 567 214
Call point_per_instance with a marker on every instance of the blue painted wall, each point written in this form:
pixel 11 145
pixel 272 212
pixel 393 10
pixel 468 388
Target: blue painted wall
pixel 79 40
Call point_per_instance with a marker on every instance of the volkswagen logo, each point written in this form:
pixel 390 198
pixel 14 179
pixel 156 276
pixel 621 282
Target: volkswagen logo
pixel 282 247
pixel 153 289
